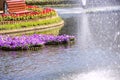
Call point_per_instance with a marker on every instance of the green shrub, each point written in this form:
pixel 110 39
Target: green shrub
pixel 29 24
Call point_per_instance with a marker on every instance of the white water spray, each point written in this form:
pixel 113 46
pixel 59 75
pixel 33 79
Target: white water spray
pixel 92 75
pixel 84 33
pixel 84 2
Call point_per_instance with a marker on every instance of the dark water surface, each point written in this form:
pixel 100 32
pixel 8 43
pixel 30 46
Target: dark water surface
pixel 94 56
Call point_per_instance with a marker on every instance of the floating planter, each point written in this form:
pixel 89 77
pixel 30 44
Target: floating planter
pixel 26 42
pixel 17 19
pixel 31 20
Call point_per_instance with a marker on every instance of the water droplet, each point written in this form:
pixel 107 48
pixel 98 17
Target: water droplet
pixel 118 46
pixel 118 33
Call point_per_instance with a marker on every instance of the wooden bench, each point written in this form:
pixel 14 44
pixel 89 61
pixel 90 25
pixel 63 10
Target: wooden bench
pixel 16 6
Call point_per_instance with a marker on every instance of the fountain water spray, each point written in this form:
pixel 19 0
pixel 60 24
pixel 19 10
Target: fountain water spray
pixel 85 37
pixel 84 2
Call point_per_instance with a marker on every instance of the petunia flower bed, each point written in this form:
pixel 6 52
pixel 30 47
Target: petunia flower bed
pixel 37 40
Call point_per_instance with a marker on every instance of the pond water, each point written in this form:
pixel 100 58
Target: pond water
pixel 94 56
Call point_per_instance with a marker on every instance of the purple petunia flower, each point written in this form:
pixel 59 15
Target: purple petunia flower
pixel 23 42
